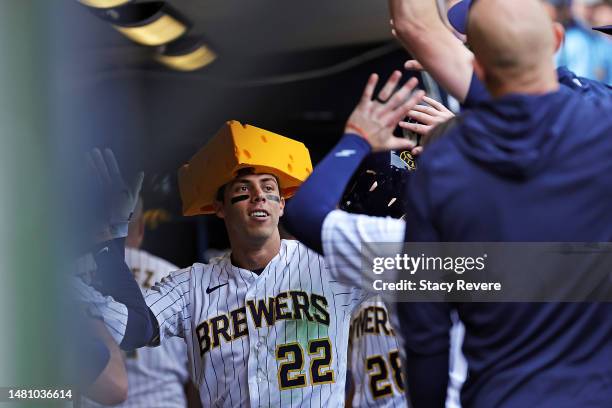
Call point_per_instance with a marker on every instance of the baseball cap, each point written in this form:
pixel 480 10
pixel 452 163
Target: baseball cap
pixel 458 15
pixel 604 29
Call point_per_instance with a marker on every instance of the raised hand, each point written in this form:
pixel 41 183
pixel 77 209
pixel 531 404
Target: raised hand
pixel 121 198
pixel 375 120
pixel 427 117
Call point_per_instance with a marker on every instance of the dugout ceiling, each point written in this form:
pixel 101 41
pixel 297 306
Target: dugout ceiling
pixel 282 65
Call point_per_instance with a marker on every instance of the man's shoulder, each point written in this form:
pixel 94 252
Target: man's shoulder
pixel 292 249
pixel 291 245
pixel 199 274
pixel 219 262
pixel 589 88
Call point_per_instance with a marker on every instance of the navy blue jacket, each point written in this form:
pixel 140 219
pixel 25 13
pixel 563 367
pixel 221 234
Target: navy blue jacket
pixel 521 168
pixel 588 88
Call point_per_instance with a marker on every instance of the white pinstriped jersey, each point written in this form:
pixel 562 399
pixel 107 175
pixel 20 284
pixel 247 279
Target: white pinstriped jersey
pixel 346 236
pixel 156 376
pixel 374 359
pixel 96 305
pixel 113 313
pixel 270 340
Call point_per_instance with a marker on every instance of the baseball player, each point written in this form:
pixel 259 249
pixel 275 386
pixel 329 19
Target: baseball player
pixel 265 325
pixel 374 351
pixel 156 376
pixel 377 189
pixel 374 358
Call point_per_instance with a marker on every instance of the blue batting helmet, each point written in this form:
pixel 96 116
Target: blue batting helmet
pixel 378 186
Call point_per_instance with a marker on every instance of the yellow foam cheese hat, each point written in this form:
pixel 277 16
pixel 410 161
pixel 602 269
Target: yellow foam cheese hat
pixel 234 147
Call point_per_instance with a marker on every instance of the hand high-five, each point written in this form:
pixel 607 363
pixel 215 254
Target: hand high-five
pixel 428 116
pixel 120 196
pixel 375 120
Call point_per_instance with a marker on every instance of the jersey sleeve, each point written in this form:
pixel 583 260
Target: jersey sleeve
pixel 113 313
pixel 348 240
pixel 169 301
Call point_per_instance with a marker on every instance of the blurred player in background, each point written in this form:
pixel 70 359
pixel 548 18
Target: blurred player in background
pixel 585 52
pixel 102 374
pixel 158 376
pixel 111 386
pixel 101 321
pixel 377 189
pixel 375 369
pixel 374 361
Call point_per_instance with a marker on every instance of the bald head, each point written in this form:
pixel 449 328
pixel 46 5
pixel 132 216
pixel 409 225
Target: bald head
pixel 513 42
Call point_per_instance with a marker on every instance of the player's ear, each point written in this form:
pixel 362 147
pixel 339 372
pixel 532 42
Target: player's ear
pixel 218 207
pixel 559 32
pixel 479 71
pixel 282 206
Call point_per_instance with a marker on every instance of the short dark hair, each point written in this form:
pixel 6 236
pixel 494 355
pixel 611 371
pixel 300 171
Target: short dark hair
pixel 242 172
pixel 221 193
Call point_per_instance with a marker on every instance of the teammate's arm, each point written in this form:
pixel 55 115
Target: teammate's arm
pixel 321 192
pixel 116 280
pixel 111 385
pixel 418 27
pixel 164 310
pixel 369 128
pixel 169 302
pixel 113 275
pixel 97 306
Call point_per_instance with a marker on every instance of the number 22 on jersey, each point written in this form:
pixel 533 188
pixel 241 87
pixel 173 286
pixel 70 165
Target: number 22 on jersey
pixel 291 369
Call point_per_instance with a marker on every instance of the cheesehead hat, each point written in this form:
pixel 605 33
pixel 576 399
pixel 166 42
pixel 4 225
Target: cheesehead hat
pixel 235 147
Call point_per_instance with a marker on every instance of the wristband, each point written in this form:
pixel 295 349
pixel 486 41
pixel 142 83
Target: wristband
pixel 358 130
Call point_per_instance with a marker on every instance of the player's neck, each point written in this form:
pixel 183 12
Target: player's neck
pixel 536 82
pixel 252 256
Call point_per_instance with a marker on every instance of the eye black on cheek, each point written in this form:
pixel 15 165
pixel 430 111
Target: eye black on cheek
pixel 239 198
pixel 273 197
